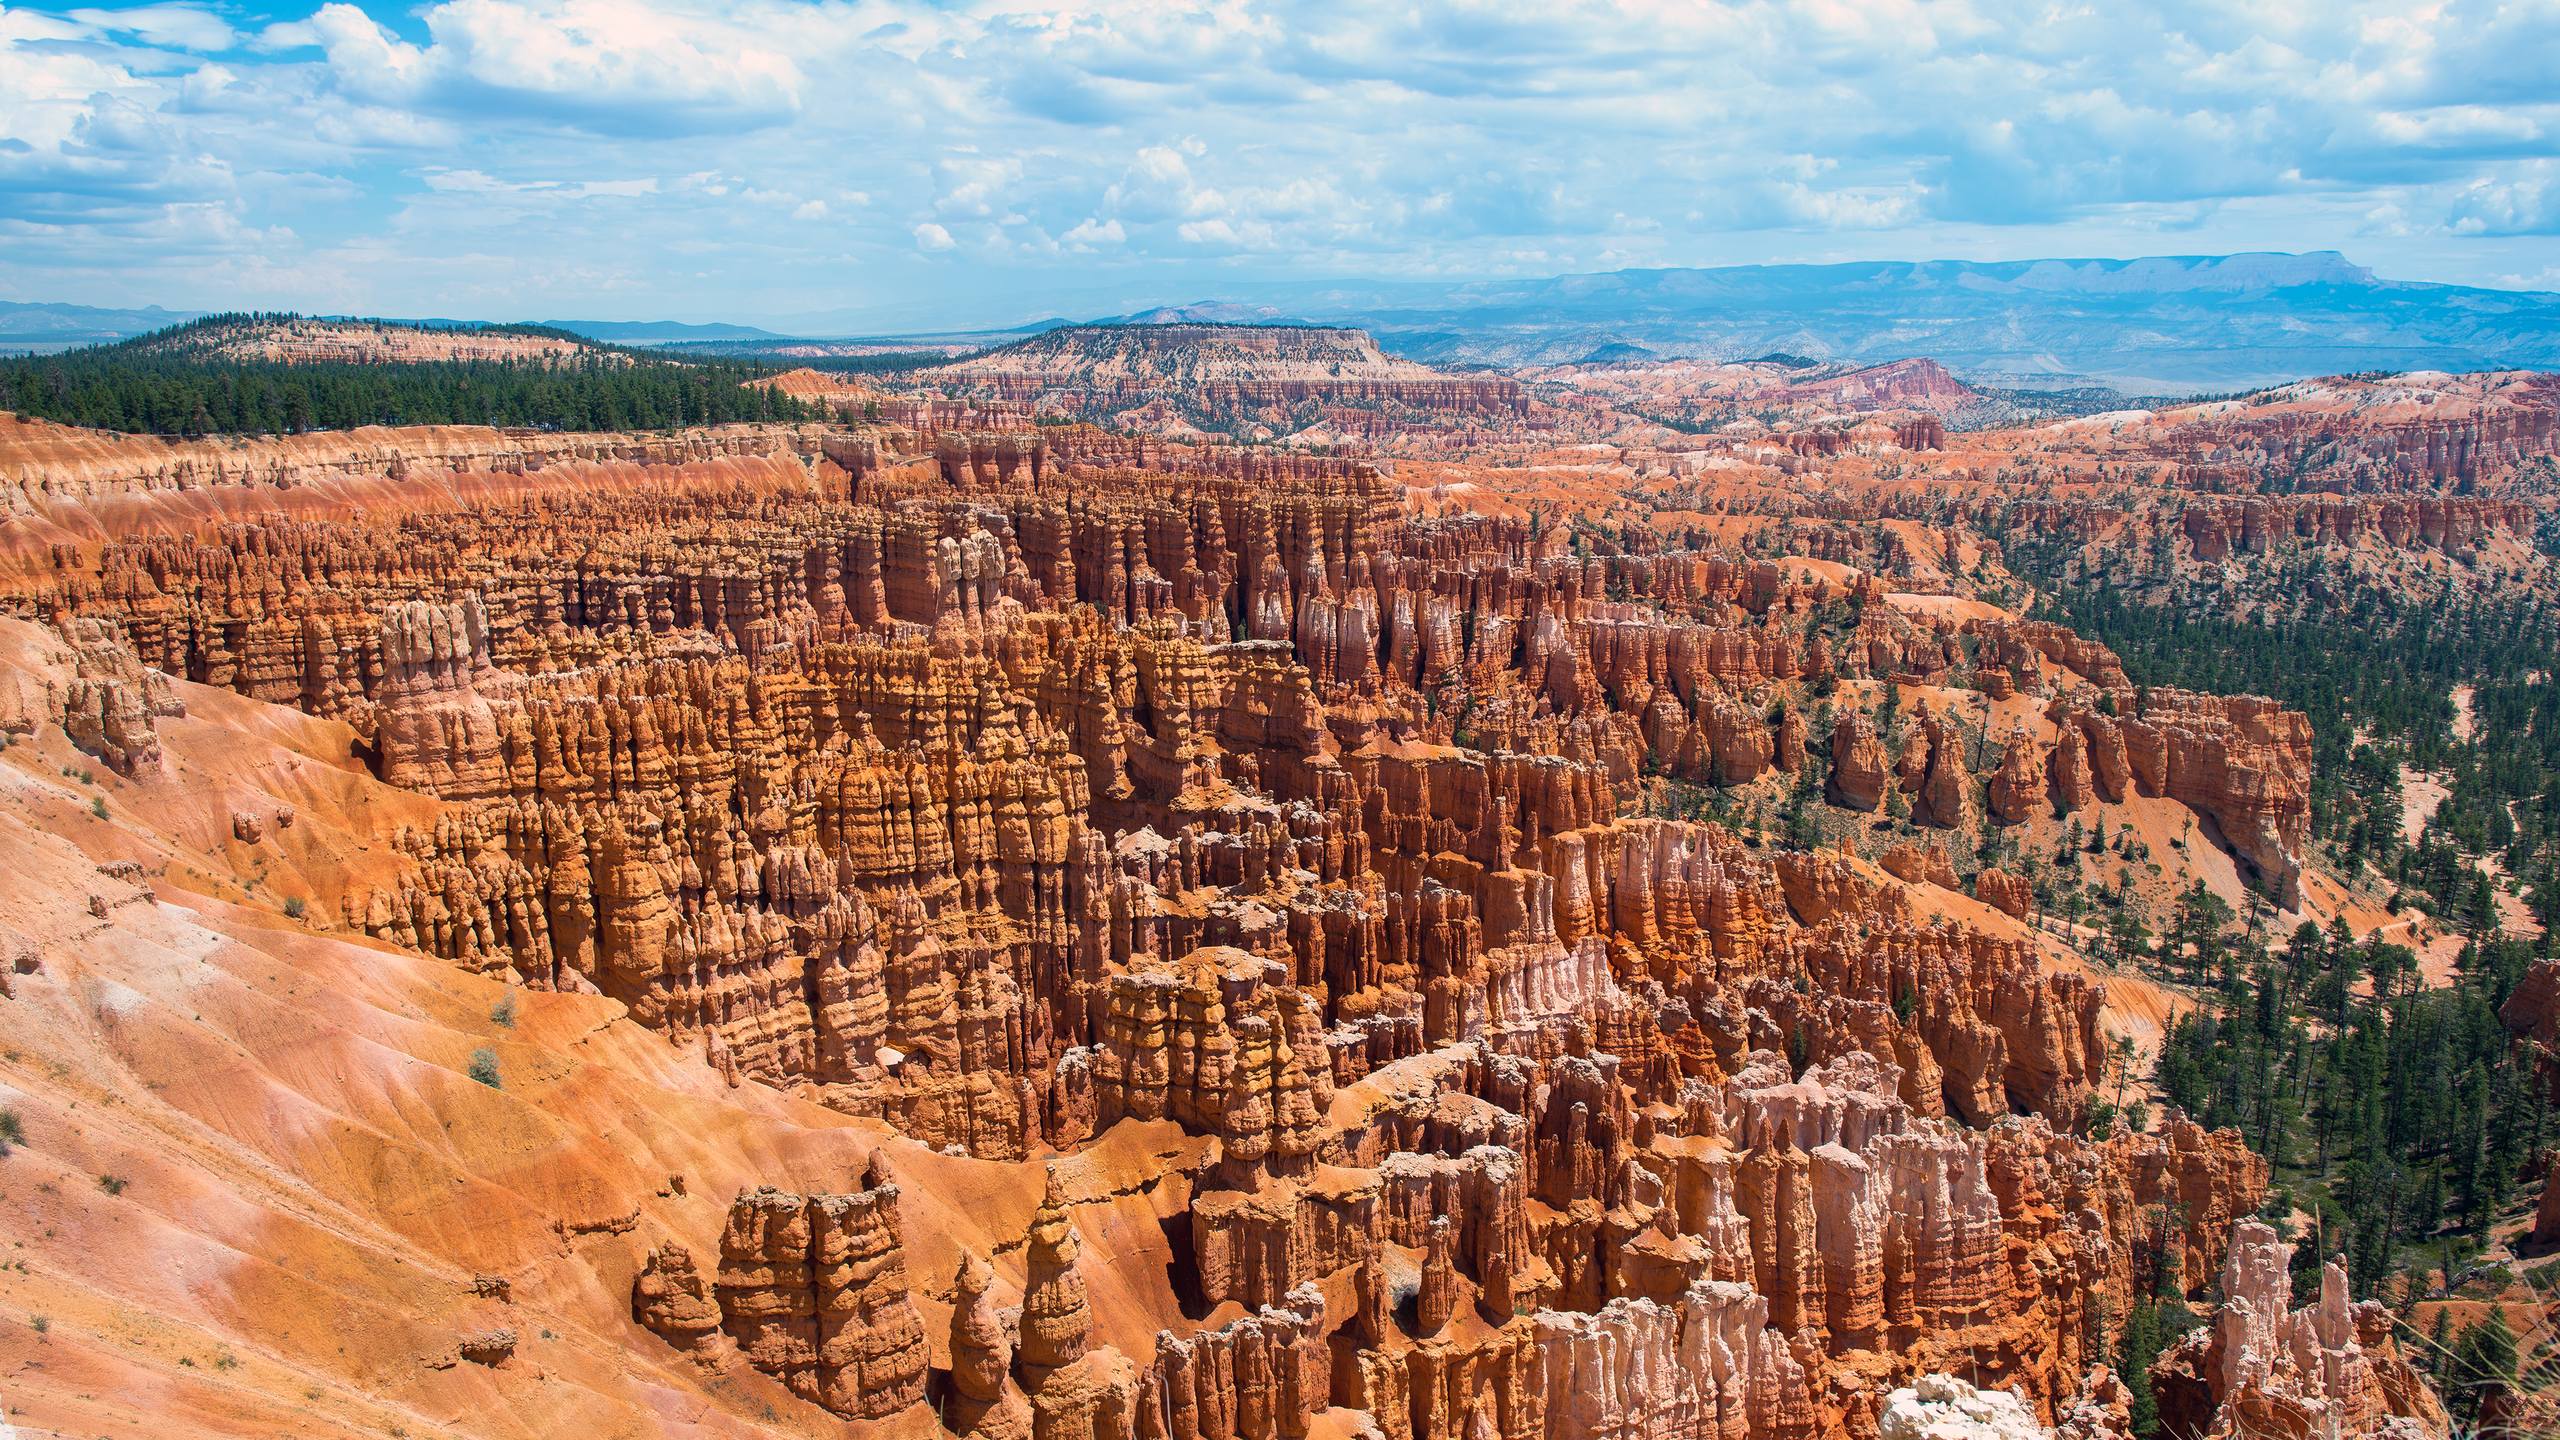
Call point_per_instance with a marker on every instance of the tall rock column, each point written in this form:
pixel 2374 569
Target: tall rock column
pixel 984 1402
pixel 1055 1318
pixel 813 1288
pixel 434 728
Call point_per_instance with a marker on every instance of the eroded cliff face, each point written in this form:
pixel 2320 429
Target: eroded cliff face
pixel 43 464
pixel 1020 809
pixel 2332 1367
pixel 1218 371
pixel 2214 528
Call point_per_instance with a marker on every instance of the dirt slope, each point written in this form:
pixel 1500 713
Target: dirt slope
pixel 259 1189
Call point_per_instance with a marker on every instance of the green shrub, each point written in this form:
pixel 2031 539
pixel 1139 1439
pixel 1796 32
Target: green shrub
pixel 484 1067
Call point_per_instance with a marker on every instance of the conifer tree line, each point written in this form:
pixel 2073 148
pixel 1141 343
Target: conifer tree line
pixel 2402 1121
pixel 2407 1103
pixel 177 382
pixel 2376 674
pixel 2401 1117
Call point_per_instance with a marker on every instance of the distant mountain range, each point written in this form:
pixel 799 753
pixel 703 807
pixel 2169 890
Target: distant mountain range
pixel 43 328
pixel 658 332
pixel 2166 324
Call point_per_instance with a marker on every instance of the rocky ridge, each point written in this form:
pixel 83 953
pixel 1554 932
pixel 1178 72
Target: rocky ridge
pixel 1215 374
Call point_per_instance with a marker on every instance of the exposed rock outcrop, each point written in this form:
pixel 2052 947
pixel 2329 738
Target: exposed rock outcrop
pixel 1942 1407
pixel 2265 1368
pixel 1860 771
pixel 813 1291
pixel 112 706
pixel 1286 870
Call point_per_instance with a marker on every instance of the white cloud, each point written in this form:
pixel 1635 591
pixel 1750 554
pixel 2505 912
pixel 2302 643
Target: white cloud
pixel 1225 234
pixel 1219 138
pixel 87 136
pixel 611 65
pixel 187 27
pixel 367 59
pixel 474 182
pixel 1090 234
pixel 2522 200
pixel 1163 165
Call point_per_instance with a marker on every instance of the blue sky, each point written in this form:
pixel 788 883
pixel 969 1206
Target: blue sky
pixel 776 159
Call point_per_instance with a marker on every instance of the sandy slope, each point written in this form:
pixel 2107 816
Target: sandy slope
pixel 302 1181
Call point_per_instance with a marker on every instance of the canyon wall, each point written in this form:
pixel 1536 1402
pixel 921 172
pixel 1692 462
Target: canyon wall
pixel 1019 804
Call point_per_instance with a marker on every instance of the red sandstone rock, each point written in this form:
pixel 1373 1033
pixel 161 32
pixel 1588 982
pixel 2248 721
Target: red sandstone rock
pixel 2017 789
pixel 2533 1010
pixel 2244 761
pixel 1054 1319
pixel 435 727
pixel 813 1289
pixel 2102 1411
pixel 1945 785
pixel 984 1401
pixel 112 707
pixel 1032 793
pixel 2075 786
pixel 671 1297
pixel 2264 1368
pixel 2005 892
pixel 1858 766
pixel 1920 864
pixel 2546 1215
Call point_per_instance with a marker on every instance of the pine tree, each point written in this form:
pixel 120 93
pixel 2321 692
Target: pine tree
pixel 2483 1364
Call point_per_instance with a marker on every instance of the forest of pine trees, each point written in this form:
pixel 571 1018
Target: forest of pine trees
pixel 2401 1119
pixel 2398 1114
pixel 173 383
pixel 2376 677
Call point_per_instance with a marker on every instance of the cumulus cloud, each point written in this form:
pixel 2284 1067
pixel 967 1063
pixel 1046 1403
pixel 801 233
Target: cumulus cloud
pixel 85 135
pixel 187 27
pixel 1051 142
pixel 1091 234
pixel 2523 200
pixel 613 66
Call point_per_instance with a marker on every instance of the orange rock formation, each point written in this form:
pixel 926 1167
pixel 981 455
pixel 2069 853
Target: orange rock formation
pixel 1222 902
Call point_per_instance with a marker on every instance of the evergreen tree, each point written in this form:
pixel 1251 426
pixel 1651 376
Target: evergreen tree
pixel 2482 1364
pixel 181 381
